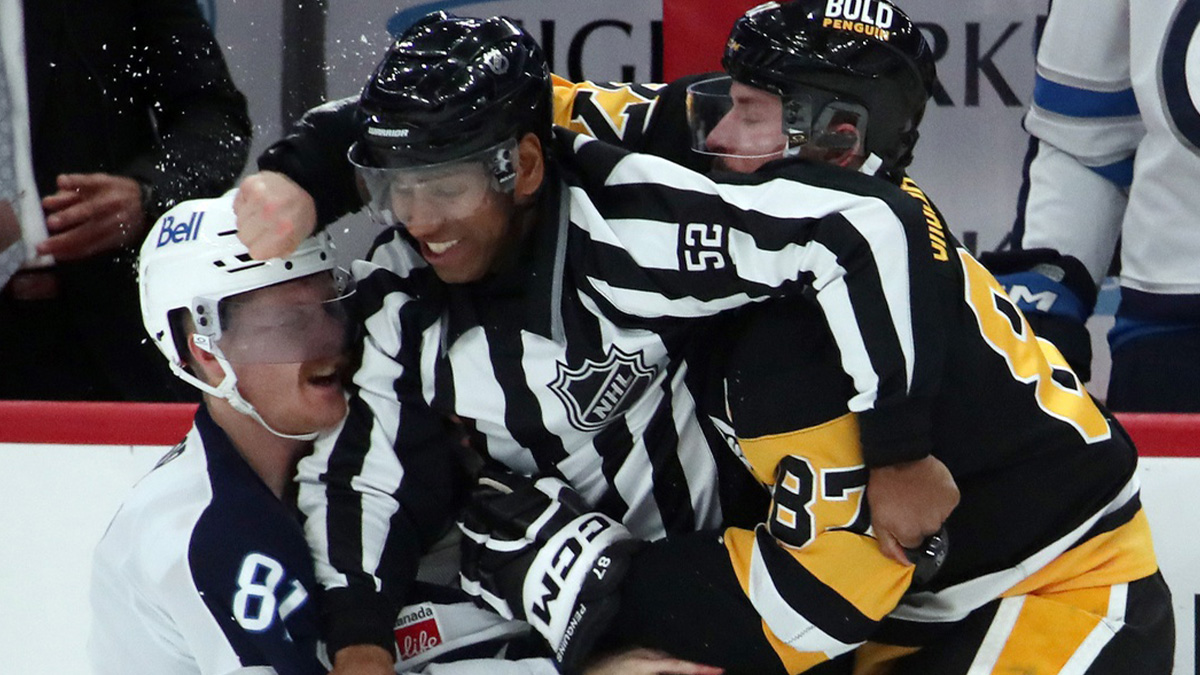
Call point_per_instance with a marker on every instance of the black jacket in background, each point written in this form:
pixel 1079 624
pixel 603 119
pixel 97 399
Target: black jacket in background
pixel 129 87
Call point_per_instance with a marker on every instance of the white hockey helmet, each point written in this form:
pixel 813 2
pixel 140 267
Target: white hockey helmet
pixel 192 260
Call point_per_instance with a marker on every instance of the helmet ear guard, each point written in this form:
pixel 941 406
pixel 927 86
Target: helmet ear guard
pixel 812 121
pixel 811 118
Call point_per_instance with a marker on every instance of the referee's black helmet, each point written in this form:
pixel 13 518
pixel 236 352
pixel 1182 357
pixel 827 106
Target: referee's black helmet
pixel 450 87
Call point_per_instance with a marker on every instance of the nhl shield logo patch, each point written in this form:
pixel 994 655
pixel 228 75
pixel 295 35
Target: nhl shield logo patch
pixel 597 393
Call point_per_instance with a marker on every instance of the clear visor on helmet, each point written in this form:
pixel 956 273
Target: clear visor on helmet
pixel 753 123
pixel 432 192
pixel 291 322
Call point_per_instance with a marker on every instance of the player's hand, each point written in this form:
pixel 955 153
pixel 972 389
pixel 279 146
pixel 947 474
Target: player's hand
pixel 531 550
pixel 91 214
pixel 647 662
pixel 274 214
pixel 909 502
pixel 362 660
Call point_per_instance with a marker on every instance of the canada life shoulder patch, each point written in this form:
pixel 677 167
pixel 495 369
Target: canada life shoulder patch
pixel 417 630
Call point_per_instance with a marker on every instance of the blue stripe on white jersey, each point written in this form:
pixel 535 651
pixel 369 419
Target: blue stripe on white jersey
pixel 1063 99
pixel 203 570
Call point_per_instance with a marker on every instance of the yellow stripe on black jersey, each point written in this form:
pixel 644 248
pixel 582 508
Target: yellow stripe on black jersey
pixel 1049 501
pixel 616 113
pixel 817 579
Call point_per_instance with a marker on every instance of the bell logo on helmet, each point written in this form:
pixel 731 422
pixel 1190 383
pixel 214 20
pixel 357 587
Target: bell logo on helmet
pixel 496 62
pixel 174 232
pixel 869 12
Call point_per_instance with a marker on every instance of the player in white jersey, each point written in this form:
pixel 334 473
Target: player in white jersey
pixel 205 570
pixel 1115 154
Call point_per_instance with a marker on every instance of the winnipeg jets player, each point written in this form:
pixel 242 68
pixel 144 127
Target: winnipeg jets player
pixel 204 568
pixel 1117 140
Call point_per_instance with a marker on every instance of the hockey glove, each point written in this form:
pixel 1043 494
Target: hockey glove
pixel 1056 295
pixel 532 550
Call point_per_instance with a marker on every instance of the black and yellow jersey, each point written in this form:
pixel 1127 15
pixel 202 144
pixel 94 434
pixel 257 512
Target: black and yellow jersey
pixel 889 347
pixel 649 118
pixel 1049 498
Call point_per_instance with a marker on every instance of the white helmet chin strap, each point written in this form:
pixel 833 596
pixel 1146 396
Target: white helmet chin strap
pixel 228 389
pixel 871 164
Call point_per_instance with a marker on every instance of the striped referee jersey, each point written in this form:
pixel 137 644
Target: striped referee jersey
pixel 574 361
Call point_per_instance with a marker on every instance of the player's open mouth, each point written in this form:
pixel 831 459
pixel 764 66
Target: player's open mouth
pixel 440 247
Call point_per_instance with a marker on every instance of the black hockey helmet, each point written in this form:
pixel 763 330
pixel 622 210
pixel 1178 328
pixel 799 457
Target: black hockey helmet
pixel 450 87
pixel 866 51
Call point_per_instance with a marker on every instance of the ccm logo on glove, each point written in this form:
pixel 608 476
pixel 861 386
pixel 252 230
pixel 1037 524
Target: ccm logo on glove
pixel 585 531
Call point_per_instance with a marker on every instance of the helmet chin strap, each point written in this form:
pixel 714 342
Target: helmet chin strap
pixel 871 164
pixel 228 390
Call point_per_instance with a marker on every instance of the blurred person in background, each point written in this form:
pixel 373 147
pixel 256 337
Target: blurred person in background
pixel 16 176
pixel 131 110
pixel 1115 155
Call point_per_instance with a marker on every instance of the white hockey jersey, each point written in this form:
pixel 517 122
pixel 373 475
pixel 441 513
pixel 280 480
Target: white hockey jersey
pixel 203 571
pixel 1119 147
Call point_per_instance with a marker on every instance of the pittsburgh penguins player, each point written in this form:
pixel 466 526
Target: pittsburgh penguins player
pixel 1051 567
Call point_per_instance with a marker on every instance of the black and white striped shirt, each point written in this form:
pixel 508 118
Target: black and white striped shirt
pixel 571 362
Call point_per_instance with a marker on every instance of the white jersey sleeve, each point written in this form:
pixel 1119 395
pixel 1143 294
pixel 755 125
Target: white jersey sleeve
pixel 1117 131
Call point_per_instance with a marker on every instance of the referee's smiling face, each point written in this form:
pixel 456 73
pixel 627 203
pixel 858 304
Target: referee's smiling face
pixel 465 247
